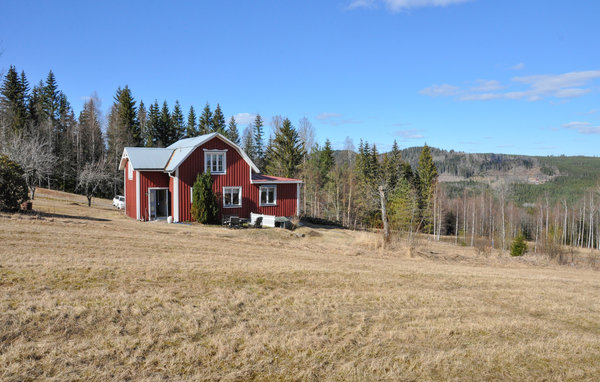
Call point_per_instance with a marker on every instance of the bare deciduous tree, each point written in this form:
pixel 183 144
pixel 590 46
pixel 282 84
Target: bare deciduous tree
pixel 92 178
pixel 35 157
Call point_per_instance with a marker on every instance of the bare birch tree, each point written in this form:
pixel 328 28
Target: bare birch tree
pixel 35 157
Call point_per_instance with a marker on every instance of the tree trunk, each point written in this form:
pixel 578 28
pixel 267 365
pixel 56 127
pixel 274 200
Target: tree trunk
pixel 386 227
pixel 89 198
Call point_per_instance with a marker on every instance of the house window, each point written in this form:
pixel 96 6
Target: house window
pixel 191 194
pixel 268 195
pixel 129 171
pixel 232 197
pixel 215 162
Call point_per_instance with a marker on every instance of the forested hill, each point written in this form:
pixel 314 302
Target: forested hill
pixel 528 176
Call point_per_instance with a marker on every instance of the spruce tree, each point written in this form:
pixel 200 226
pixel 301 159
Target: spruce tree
pixel 248 142
pixel 392 168
pixel 326 162
pixel 164 133
pixel 13 100
pixel 204 201
pixel 142 117
pixel 177 124
pixel 287 151
pixel 191 130
pixel 232 132
pixel 205 121
pixel 427 179
pixel 218 121
pixel 127 116
pixel 35 109
pixel 258 144
pixel 153 124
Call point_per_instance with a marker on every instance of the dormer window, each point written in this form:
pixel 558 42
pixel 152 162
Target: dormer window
pixel 215 161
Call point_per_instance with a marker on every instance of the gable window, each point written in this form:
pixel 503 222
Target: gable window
pixel 129 171
pixel 215 161
pixel 232 197
pixel 268 195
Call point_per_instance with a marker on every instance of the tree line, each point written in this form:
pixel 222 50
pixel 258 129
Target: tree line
pixel 60 151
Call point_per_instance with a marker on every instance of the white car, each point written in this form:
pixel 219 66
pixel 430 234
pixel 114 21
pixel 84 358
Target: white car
pixel 119 201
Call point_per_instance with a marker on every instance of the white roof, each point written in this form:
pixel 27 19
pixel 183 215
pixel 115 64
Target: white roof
pixel 169 158
pixel 146 158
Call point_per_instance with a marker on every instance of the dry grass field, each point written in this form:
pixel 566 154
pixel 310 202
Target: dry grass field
pixel 88 294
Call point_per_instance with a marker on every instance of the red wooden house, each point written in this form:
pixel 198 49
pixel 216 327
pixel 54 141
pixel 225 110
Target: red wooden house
pixel 158 181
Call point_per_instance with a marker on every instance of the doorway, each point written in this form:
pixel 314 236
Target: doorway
pixel 158 203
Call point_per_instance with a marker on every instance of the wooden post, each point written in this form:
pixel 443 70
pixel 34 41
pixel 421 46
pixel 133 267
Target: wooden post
pixel 386 227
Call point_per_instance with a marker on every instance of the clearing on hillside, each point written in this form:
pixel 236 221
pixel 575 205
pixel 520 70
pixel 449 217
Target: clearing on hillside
pixel 86 293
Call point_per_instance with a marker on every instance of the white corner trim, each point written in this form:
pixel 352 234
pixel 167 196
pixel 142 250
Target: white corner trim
pixel 176 196
pixel 138 197
pixel 298 199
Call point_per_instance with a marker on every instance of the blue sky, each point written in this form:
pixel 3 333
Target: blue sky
pixel 477 76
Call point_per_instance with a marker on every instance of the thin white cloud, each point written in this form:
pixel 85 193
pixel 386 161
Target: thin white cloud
pixel 335 119
pixel 401 5
pixel 519 66
pixel 325 116
pixel 244 118
pixel 409 134
pixel 536 87
pixel 443 90
pixel 582 127
pixel 487 86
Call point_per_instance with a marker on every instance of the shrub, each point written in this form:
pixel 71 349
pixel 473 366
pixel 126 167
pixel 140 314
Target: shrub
pixel 204 201
pixel 13 188
pixel 519 246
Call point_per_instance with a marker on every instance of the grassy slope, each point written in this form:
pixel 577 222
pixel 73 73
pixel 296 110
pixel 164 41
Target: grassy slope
pixel 94 295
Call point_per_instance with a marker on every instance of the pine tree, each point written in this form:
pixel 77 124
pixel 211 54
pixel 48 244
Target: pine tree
pixel 218 121
pixel 204 201
pixel 205 121
pixel 232 132
pixel 191 128
pixel 287 151
pixel 258 144
pixel 153 124
pixel 178 127
pixel 142 117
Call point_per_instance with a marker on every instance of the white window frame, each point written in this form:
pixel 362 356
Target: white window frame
pixel 208 153
pixel 192 194
pixel 272 203
pixel 226 189
pixel 129 170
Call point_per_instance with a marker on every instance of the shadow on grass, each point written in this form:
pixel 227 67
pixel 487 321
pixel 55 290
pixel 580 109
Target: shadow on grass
pixel 63 216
